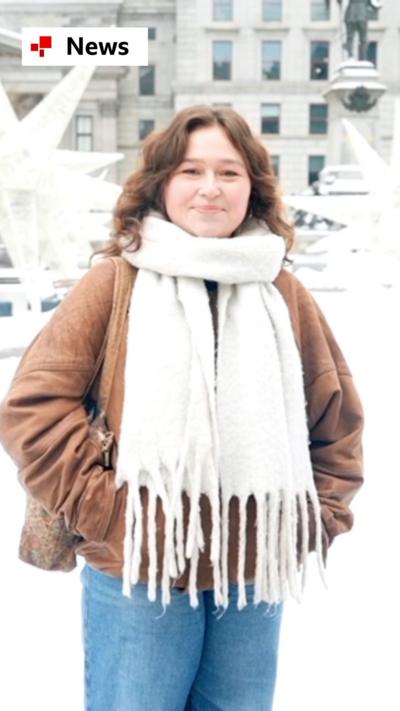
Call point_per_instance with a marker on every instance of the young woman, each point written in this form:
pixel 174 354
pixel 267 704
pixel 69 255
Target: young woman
pixel 236 420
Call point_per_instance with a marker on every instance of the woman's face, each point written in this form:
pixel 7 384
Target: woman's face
pixel 208 193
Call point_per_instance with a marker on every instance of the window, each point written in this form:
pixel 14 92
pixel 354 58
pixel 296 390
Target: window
pixel 319 60
pixel 84 132
pixel 372 52
pixel 222 60
pixel 270 118
pixel 271 60
pixel 318 118
pixel 315 165
pixel 152 33
pixel 275 160
pixel 320 10
pixel 272 10
pixel 222 10
pixel 147 80
pixel 146 126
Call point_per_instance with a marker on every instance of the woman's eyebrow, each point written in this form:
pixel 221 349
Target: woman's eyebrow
pixel 222 160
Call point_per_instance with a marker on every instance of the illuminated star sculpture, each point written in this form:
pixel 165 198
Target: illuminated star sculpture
pixel 46 196
pixel 373 220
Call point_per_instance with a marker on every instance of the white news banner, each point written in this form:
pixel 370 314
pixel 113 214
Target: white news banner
pixel 84 46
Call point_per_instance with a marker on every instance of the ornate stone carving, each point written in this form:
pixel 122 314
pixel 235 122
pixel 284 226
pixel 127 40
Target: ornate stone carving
pixel 359 100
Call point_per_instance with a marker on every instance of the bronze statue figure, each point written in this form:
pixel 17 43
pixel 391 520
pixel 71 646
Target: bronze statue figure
pixel 356 22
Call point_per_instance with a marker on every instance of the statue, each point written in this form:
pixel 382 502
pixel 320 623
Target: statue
pixel 356 22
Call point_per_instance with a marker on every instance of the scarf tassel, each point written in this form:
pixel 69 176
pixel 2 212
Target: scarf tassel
pixel 281 564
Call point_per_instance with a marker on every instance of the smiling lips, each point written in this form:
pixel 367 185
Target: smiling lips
pixel 208 209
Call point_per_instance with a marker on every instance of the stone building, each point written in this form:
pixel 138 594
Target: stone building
pixel 269 59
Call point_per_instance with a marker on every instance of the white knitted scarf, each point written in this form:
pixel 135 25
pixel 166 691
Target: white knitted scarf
pixel 237 429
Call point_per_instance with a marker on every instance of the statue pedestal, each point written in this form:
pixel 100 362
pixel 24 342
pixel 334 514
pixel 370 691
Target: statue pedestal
pixel 353 93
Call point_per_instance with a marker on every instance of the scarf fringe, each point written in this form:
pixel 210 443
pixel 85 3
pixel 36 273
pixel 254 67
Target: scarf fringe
pixel 280 567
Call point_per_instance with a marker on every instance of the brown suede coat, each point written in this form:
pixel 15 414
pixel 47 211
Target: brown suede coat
pixel 43 426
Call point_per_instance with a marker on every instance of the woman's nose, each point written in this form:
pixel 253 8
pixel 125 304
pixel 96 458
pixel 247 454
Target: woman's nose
pixel 209 186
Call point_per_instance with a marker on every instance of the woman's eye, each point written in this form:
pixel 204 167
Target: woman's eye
pixel 196 171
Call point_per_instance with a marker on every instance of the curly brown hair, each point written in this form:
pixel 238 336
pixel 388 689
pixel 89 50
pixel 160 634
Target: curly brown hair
pixel 163 151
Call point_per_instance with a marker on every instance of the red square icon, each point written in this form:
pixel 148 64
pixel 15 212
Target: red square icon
pixel 45 42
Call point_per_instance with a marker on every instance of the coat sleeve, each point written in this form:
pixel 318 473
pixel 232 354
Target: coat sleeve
pixel 335 422
pixel 43 424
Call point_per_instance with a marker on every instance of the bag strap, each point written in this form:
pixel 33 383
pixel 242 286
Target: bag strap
pixel 123 280
pixel 124 275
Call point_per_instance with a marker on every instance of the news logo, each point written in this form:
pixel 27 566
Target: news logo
pixel 84 46
pixel 44 43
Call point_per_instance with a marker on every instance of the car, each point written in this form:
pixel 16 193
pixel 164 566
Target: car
pixel 342 180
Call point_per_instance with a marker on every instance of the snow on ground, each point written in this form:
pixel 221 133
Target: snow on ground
pixel 338 647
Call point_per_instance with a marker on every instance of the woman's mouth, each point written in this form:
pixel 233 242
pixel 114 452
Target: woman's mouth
pixel 208 209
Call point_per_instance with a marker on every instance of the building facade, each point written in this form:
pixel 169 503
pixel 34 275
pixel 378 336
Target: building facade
pixel 269 59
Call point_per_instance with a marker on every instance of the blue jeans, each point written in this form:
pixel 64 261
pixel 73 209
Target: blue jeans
pixel 187 659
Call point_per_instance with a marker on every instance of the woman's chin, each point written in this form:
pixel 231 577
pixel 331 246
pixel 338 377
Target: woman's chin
pixel 208 228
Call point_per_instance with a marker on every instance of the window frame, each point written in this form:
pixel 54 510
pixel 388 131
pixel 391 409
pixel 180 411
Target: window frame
pixel 375 44
pixel 276 164
pixel 277 118
pixel 314 63
pixel 229 63
pixel 271 4
pixel 84 134
pixel 315 119
pixel 264 44
pixel 221 4
pixel 314 5
pixel 141 122
pixel 323 163
pixel 142 72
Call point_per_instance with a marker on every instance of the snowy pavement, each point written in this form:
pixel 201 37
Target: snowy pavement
pixel 338 647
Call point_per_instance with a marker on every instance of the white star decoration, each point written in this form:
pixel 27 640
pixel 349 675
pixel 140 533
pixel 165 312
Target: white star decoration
pixel 373 220
pixel 45 195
